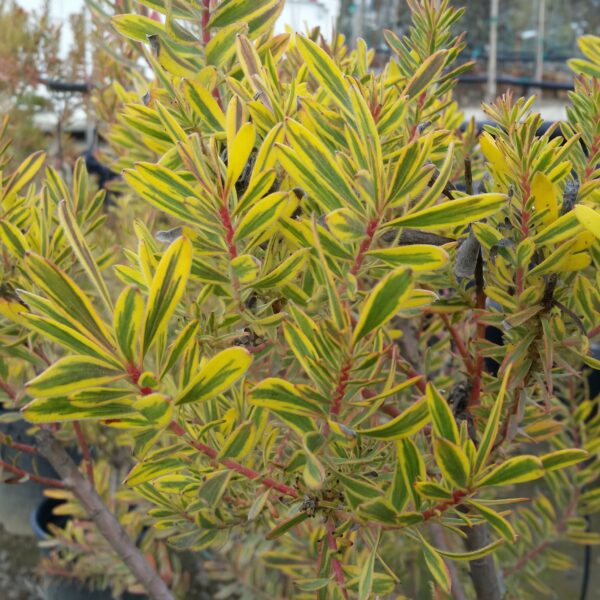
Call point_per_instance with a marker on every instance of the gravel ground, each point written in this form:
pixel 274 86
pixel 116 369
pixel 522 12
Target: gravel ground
pixel 19 579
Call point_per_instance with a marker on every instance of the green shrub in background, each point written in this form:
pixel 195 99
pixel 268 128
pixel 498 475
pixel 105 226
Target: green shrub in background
pixel 296 359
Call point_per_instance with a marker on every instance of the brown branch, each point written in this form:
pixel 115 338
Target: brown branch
pixel 483 570
pixel 460 345
pixel 105 521
pixel 232 465
pixel 8 390
pixel 85 451
pixel 56 483
pixel 475 394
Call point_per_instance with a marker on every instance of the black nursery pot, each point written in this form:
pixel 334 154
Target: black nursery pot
pixel 17 500
pixel 63 588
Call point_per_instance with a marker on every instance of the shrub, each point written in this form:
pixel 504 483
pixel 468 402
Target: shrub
pixel 298 359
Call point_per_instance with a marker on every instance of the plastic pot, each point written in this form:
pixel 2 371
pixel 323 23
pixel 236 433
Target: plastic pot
pixel 63 588
pixel 19 499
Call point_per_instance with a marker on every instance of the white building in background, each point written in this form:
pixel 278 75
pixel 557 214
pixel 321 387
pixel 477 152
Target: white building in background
pixel 303 14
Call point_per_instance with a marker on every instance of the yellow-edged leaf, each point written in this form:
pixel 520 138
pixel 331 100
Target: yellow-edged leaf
pixel 261 216
pixel 452 213
pixel 408 422
pixel 384 302
pixel 239 442
pixel 128 320
pixel 166 290
pixel 73 373
pixel 68 298
pixel 217 376
pixel 418 257
pixel 589 218
pixel 82 251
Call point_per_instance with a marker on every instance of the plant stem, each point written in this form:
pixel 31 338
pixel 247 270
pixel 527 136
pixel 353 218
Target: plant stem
pixel 85 451
pixel 231 464
pixel 335 563
pixel 105 521
pixel 8 390
pixel 36 478
pixel 364 246
pixel 484 574
pixel 205 19
pixel 460 345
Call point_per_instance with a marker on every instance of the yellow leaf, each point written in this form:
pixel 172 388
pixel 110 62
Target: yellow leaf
pixel 493 154
pixel 239 152
pixel 589 218
pixel 545 195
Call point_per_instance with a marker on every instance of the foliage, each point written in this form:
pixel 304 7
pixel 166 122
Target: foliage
pixel 302 386
pixel 31 53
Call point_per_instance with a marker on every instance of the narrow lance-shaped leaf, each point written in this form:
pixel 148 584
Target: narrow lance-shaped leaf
pixel 384 302
pixel 589 218
pixel 444 424
pixel 452 461
pixel 475 554
pixel 365 583
pixel 182 342
pixel 67 336
pixel 406 423
pixel 491 429
pixel 286 525
pixel 436 565
pixel 82 251
pixel 452 213
pixel 426 73
pixel 496 521
pixel 239 152
pixel 561 459
pixel 418 257
pixel 239 442
pixel 72 373
pixel 166 290
pixel 68 298
pixel 63 409
pixel 205 106
pixel 281 395
pixel 515 470
pixel 128 319
pixel 263 214
pixel 25 173
pixel 285 272
pixel 218 375
pixel 12 237
pixel 326 71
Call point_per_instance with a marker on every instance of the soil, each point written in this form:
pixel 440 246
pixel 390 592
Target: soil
pixel 19 578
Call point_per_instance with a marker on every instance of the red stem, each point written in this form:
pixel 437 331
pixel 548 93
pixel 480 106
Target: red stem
pixel 205 19
pixel 234 466
pixel 460 345
pixel 18 446
pixel 594 332
pixel 364 246
pixel 457 497
pixel 229 231
pixel 340 390
pixel 85 451
pixel 10 392
pixel 37 478
pixel 335 563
